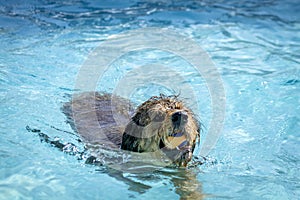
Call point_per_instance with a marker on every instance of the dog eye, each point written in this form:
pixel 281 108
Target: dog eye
pixel 158 117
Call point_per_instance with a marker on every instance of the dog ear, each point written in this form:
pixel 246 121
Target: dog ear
pixel 129 143
pixel 141 118
pixel 134 130
pixel 134 140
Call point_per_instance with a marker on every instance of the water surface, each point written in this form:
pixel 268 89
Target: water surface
pixel 254 45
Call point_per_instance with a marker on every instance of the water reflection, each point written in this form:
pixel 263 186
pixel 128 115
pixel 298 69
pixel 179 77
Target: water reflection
pixel 184 180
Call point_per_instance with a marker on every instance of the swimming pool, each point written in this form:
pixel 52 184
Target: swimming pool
pixel 253 44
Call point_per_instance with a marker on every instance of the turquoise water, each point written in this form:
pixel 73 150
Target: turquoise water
pixel 254 45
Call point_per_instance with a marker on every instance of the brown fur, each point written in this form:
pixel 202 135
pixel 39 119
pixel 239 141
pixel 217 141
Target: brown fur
pixel 94 117
pixel 151 127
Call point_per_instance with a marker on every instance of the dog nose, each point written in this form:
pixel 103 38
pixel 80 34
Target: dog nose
pixel 179 118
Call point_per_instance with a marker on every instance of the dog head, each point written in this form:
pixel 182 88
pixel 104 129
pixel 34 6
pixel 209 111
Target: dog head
pixel 163 123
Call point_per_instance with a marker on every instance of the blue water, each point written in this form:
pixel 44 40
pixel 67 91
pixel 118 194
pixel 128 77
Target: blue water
pixel 255 46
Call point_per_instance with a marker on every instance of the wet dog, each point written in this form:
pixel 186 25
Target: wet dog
pixel 162 123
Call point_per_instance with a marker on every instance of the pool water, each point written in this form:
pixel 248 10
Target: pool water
pixel 254 45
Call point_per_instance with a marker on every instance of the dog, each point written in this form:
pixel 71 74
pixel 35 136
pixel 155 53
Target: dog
pixel 162 123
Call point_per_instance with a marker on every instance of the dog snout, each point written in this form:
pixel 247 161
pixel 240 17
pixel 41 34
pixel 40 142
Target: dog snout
pixel 179 118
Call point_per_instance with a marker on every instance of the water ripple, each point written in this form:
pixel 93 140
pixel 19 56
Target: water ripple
pixel 254 44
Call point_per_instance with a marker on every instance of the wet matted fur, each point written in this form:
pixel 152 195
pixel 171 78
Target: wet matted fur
pixel 161 123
